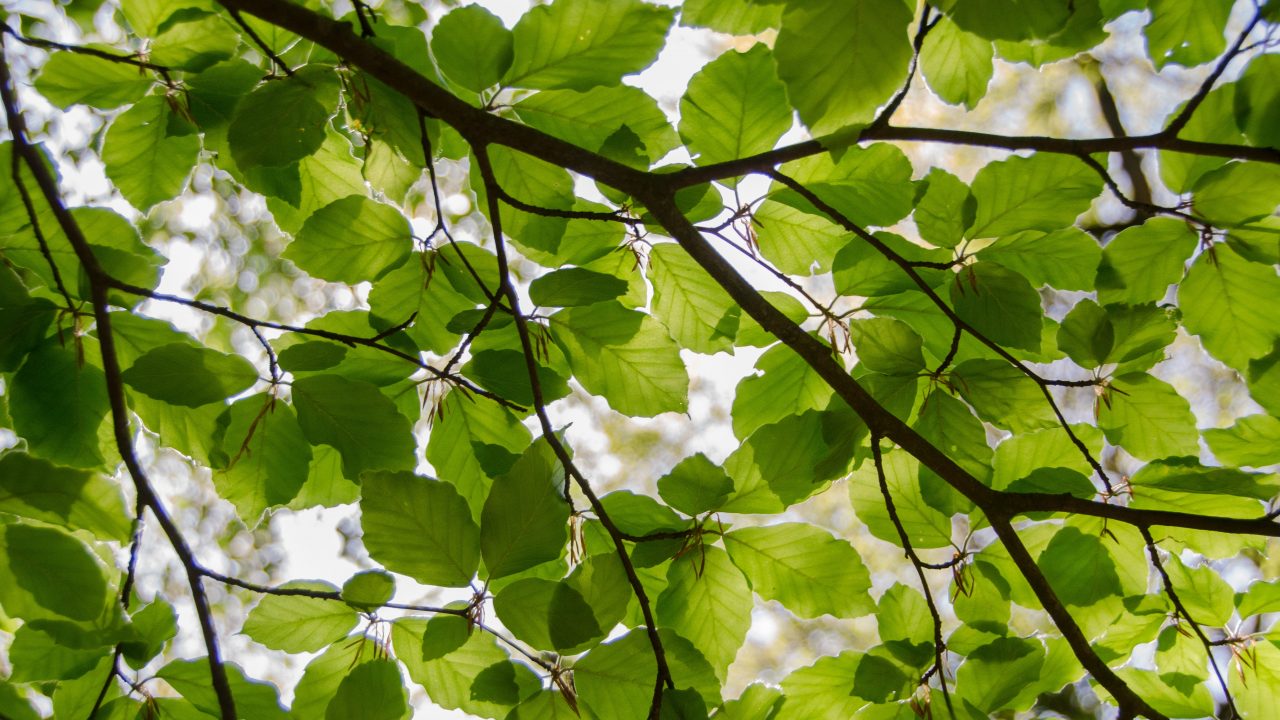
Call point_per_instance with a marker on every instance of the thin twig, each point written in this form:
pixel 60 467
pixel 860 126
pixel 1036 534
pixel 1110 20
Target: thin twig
pixel 1189 109
pixel 162 70
pixel 917 43
pixel 348 340
pixel 844 222
pixel 262 45
pixel 663 676
pixel 939 645
pixel 38 232
pixel 115 389
pixel 1181 609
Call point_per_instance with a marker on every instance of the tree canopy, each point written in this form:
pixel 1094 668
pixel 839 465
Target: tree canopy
pixel 1041 365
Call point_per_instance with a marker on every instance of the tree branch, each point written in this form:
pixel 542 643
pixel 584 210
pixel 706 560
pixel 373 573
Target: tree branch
pixel 939 645
pixel 98 283
pixel 1180 609
pixel 1189 109
pixel 663 675
pixel 844 222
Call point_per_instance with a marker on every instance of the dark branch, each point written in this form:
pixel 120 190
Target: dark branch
pixel 98 283
pixel 1206 87
pixel 939 645
pixel 663 676
pixel 1181 610
pixel 875 242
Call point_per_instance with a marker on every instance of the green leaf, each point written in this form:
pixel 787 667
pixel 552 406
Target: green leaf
pixel 752 334
pixel 1258 103
pixel 888 346
pixel 862 269
pixel 957 64
pixel 1148 418
pixel 267 457
pixel 1207 597
pixel 624 356
pixel 615 680
pixel 351 240
pixel 803 567
pixel 796 241
pixel 419 527
pixel 57 404
pixel 279 123
pixel 757 702
pixel 950 426
pixel 1229 302
pixel 37 656
pixel 547 615
pixel 47 571
pixel 639 514
pixel 473 442
pixel 708 602
pixel 358 421
pixel 472 47
pixel 69 78
pixel 78 500
pixel 1139 264
pixel 697 312
pixel 925 526
pixel 1141 331
pixel 1003 395
pixel 945 210
pixel 23 326
pixel 602 582
pixel 731 16
pixel 194 41
pixel 181 374
pixel 869 185
pixel 1237 193
pixel 575 286
pixel 822 690
pixel 1010 19
pixel 477 677
pixel 1253 440
pixel 368 590
pixel 734 107
pixel 1000 304
pixel 525 519
pixel 328 175
pixel 992 676
pixel 823 43
pixel 1185 475
pixel 1086 334
pixel 372 691
pixel 506 373
pixel 1260 597
pixel 1065 259
pixel 593 119
pixel 578 44
pixel 253 698
pixel 787 386
pixel 534 181
pixel 1256 685
pixel 905 625
pixel 146 163
pixel 1079 568
pixel 1186 32
pixel 1042 192
pixel 147 16
pixel 295 623
pixel 1166 695
pixel 695 485
pixel 1213 121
